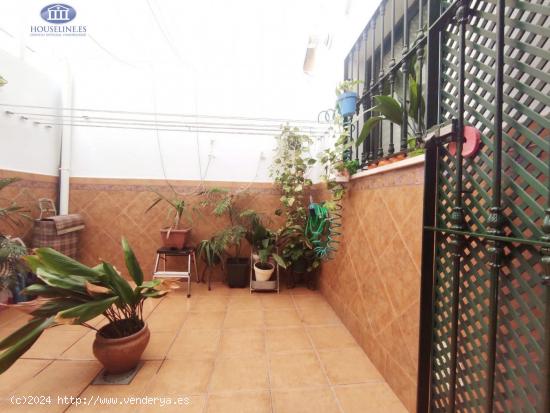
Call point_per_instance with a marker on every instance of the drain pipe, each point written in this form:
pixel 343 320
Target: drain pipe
pixel 66 140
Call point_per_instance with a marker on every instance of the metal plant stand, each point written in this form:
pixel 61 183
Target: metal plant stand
pixel 270 285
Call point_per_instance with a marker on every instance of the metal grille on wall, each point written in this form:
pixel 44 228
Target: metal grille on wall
pixel 486 269
pixel 485 299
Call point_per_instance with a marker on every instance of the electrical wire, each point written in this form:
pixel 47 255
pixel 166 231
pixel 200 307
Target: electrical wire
pixel 123 120
pixel 181 115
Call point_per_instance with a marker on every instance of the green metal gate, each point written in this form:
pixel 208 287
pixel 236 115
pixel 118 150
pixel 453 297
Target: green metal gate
pixel 486 249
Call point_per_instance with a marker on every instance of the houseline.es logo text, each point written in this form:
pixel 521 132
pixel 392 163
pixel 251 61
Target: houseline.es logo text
pixel 58 15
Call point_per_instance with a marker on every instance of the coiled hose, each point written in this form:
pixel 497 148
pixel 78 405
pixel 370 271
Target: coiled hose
pixel 323 228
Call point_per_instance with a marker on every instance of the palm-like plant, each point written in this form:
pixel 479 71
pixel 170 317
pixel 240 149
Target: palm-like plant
pixel 392 109
pixel 177 208
pixel 73 293
pixel 12 212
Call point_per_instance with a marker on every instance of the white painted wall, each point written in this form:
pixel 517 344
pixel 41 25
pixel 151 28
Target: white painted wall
pixel 244 59
pixel 24 146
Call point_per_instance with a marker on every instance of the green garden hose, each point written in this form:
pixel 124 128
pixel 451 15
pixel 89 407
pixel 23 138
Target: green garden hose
pixel 323 228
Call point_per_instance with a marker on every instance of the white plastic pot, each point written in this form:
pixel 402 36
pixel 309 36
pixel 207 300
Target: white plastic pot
pixel 261 274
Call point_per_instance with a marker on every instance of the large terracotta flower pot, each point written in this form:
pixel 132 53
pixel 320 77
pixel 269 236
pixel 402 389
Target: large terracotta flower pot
pixel 174 238
pixel 119 355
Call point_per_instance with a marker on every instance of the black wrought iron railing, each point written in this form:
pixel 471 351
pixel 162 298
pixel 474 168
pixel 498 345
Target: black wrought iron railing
pixel 401 37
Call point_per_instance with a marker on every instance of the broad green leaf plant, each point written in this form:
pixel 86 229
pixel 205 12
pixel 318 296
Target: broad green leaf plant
pixel 391 109
pixel 73 293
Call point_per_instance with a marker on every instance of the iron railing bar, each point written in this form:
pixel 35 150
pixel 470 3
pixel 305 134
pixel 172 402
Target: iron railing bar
pixel 405 69
pixel 427 279
pixel 481 235
pixel 496 219
pixel 365 99
pixel 457 216
pixel 382 9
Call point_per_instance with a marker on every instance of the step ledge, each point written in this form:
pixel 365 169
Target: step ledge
pixel 405 163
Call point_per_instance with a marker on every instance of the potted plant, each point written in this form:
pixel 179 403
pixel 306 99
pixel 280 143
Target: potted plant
pixel 392 109
pixel 173 236
pixel 224 203
pixel 2 81
pixel 347 97
pixel 211 251
pixel 264 265
pixel 73 293
pixel 13 273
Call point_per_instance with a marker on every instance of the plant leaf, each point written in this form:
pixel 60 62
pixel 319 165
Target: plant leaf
pixel 20 341
pixel 389 108
pixel 73 283
pixel 118 284
pixel 84 312
pixel 61 264
pixel 132 263
pixel 366 130
pixel 279 260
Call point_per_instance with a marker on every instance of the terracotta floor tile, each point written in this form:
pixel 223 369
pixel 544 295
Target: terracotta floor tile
pixel 209 303
pixel 239 341
pixel 321 315
pixel 331 337
pixel 244 303
pixel 276 301
pixel 192 341
pixel 60 378
pixel 240 402
pixel 101 393
pixel 295 369
pixel 304 401
pixel 204 320
pixel 19 373
pixel 310 300
pixel 302 290
pixel 239 373
pixel 182 377
pixel 158 346
pixel 52 343
pixel 165 321
pixel 244 319
pixel 282 318
pixel 287 339
pixel 369 398
pixel 82 349
pixel 349 366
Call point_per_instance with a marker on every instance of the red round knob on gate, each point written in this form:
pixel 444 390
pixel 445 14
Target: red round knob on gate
pixel 470 146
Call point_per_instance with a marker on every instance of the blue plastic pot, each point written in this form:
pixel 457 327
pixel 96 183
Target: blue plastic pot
pixel 346 103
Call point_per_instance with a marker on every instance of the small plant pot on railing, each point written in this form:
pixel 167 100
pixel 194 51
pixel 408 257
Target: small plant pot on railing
pixel 263 270
pixel 346 103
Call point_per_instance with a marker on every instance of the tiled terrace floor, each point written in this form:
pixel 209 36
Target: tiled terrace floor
pixel 227 350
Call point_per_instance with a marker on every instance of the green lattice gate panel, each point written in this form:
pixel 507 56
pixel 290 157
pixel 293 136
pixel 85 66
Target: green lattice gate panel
pixel 525 152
